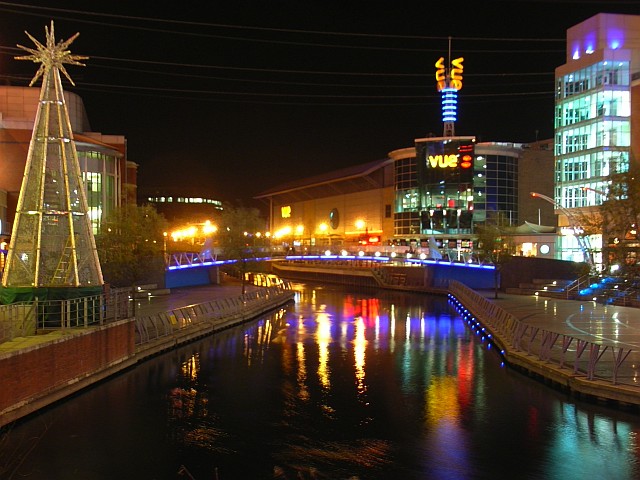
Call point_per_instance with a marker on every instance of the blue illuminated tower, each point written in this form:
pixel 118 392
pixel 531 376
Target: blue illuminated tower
pixel 449 81
pixel 52 249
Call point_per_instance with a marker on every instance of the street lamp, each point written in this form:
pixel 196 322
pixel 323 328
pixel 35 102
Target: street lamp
pixel 209 228
pixel 323 228
pixel 582 241
pixel 165 254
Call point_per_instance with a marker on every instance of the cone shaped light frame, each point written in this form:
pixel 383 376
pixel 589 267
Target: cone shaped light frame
pixel 52 244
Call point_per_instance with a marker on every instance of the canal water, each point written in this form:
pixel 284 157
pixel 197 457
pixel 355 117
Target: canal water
pixel 343 384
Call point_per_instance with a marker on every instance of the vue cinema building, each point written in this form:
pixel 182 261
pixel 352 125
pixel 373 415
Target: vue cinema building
pixel 414 195
pixel 437 191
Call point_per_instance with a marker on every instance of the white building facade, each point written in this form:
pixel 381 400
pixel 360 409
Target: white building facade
pixel 593 131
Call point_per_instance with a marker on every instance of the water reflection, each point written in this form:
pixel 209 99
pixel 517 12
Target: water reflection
pixel 344 384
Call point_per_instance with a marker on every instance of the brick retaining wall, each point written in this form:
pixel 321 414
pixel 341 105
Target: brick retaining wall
pixel 60 363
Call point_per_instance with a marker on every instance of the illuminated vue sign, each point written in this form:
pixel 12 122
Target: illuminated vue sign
pixel 455 74
pixel 450 160
pixel 448 85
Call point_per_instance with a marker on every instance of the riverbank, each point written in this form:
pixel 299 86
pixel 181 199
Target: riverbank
pixel 42 369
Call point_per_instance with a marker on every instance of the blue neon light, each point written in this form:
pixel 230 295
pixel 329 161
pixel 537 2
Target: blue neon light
pixel 328 258
pixel 449 104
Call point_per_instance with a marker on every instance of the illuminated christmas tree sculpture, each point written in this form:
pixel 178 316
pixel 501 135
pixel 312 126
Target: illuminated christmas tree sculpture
pixel 52 249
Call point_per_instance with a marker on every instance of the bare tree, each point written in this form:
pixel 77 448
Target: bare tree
pixel 617 219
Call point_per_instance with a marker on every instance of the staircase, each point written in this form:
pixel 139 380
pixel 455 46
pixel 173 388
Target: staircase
pixel 554 288
pixel 609 290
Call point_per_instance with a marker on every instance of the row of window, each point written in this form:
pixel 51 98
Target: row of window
pixel 591 77
pixel 613 103
pixel 595 135
pixel 184 200
pixel 596 164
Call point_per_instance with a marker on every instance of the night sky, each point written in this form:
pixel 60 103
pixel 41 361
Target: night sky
pixel 228 99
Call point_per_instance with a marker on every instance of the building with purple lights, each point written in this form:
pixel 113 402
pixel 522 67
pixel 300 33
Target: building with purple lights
pixel 597 91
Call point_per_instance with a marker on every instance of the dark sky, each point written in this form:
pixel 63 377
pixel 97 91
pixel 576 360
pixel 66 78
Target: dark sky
pixel 233 98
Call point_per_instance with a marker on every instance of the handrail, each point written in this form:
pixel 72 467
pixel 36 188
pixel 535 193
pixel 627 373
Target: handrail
pixel 519 338
pixel 152 327
pixel 577 285
pixel 23 319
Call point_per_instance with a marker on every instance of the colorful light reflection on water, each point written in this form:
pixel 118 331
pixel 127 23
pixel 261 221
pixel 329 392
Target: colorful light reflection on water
pixel 345 384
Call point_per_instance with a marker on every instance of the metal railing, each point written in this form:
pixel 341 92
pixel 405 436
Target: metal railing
pixel 571 354
pixel 153 327
pixel 23 319
pixel 616 290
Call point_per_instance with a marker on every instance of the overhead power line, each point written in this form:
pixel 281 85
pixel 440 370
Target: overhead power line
pixel 179 69
pixel 178 95
pixel 267 29
pixel 7 51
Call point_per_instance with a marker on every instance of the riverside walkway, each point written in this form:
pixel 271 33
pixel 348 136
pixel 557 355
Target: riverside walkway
pixel 163 322
pixel 588 349
pixel 186 296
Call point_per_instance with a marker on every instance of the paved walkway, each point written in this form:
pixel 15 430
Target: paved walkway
pixel 586 320
pixel 185 296
pixel 611 326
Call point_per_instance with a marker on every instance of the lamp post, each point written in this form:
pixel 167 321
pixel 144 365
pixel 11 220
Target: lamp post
pixel 165 254
pixel 582 241
pixel 323 228
pixel 299 233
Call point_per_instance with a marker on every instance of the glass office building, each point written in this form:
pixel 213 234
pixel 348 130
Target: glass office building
pixel 593 104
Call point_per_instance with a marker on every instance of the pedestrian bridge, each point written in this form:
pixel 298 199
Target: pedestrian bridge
pixel 183 260
pixel 191 269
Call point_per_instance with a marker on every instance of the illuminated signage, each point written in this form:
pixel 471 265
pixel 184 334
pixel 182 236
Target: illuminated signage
pixel 285 211
pixel 441 77
pixel 448 85
pixel 455 74
pixel 443 161
pixel 447 162
pixel 463 157
pixel 466 155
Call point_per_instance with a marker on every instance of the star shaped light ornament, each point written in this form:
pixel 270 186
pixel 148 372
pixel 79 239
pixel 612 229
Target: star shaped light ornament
pixel 51 55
